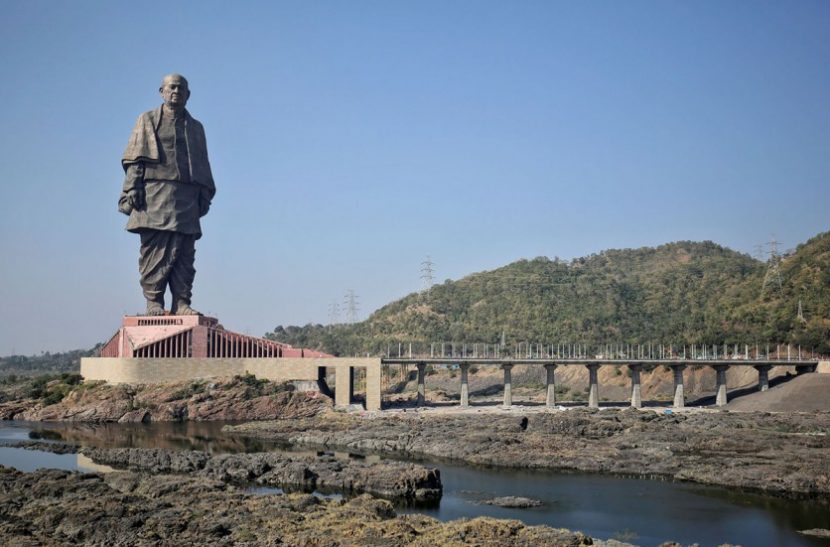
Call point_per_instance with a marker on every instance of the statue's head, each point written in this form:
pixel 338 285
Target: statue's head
pixel 174 90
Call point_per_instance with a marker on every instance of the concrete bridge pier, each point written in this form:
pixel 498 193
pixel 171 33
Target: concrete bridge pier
pixel 636 397
pixel 763 376
pixel 344 386
pixel 508 392
pixel 720 399
pixel 679 396
pixel 593 385
pixel 550 398
pixel 465 386
pixel 422 392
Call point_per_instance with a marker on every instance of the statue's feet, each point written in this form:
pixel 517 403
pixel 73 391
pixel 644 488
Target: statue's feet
pixel 154 308
pixel 183 308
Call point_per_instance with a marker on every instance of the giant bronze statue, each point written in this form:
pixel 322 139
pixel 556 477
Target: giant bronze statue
pixel 168 187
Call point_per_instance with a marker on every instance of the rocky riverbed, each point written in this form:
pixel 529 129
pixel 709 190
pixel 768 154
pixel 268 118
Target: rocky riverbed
pixel 401 482
pixel 52 507
pixel 777 453
pixel 780 454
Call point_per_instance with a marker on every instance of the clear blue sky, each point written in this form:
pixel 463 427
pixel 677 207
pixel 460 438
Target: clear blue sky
pixel 351 139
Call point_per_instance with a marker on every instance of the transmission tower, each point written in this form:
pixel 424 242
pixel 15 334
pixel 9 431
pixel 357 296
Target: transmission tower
pixel 350 302
pixel 772 279
pixel 427 273
pixel 801 312
pixel 334 312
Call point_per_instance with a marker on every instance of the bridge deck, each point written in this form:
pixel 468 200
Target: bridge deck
pixel 593 361
pixel 635 367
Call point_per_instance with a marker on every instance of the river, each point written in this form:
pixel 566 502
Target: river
pixel 635 510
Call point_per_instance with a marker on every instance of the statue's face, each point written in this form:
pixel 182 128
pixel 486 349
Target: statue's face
pixel 174 91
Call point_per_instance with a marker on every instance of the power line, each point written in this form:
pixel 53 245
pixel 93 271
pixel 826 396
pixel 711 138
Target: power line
pixel 772 279
pixel 351 303
pixel 427 272
pixel 334 312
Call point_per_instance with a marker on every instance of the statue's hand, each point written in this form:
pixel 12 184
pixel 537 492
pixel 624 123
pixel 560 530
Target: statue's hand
pixel 137 198
pixel 204 207
pixel 204 203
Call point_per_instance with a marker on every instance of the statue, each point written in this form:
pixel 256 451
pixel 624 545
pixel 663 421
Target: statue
pixel 168 187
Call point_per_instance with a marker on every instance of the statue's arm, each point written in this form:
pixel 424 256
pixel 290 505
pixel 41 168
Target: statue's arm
pixel 132 191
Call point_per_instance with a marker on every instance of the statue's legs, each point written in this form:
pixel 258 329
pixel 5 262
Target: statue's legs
pixel 182 274
pixel 153 265
pixel 167 258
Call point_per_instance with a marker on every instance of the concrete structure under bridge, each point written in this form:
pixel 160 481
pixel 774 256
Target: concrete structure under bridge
pixel 635 366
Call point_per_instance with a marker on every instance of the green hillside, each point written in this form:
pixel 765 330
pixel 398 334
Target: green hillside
pixel 678 293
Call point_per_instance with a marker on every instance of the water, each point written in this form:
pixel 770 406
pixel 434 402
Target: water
pixel 639 511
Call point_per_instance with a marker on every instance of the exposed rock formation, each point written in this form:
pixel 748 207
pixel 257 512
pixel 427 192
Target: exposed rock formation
pixel 387 479
pixel 125 508
pixel 515 502
pixel 241 398
pixel 783 454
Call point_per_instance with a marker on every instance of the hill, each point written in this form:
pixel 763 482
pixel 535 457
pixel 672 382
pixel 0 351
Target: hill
pixel 679 293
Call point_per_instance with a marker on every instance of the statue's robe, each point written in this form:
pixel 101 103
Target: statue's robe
pixel 167 157
pixel 154 158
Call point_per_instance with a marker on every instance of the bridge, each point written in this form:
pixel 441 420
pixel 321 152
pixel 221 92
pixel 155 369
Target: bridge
pixel 634 365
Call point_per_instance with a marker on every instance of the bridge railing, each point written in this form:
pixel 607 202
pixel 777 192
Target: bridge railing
pixel 620 351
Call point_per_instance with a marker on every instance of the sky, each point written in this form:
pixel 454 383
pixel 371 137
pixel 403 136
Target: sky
pixel 351 140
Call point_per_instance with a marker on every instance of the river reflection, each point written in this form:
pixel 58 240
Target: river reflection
pixel 645 512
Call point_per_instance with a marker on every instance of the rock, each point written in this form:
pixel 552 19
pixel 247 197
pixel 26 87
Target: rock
pixel 387 479
pixel 816 532
pixel 51 507
pixel 779 454
pixel 54 447
pixel 136 417
pixel 230 400
pixel 516 502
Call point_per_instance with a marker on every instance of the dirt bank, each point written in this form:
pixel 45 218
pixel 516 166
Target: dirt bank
pixel 781 454
pixel 805 393
pixel 59 507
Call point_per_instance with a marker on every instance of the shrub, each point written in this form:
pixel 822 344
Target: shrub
pixel 71 378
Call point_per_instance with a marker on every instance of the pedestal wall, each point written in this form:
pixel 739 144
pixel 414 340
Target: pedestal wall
pixel 119 370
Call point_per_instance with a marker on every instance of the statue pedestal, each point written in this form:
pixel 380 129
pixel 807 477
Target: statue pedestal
pixel 191 336
pixel 180 348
